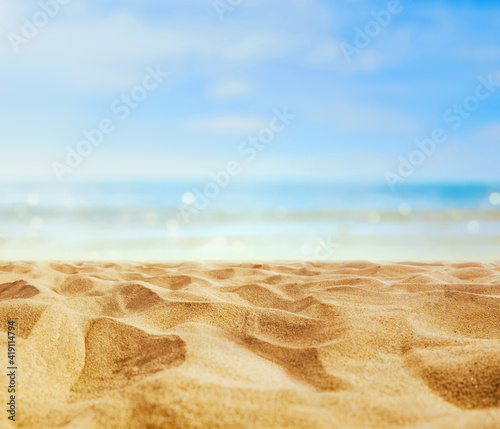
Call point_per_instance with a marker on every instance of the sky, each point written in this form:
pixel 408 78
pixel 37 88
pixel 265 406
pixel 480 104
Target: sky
pixel 183 87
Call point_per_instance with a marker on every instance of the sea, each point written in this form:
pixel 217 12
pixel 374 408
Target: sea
pixel 156 221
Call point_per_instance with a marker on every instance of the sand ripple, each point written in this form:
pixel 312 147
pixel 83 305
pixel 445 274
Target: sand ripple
pixel 255 345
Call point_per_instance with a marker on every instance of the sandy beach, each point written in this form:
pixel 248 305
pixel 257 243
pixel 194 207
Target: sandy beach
pixel 274 345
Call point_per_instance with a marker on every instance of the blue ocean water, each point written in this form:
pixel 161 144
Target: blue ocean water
pixel 155 221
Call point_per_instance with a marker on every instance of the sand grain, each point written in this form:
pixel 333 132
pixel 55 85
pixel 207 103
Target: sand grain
pixel 275 345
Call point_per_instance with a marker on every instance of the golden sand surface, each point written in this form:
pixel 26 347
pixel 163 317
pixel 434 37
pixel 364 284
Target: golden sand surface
pixel 272 345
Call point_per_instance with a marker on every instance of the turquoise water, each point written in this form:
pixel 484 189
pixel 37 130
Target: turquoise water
pixel 148 221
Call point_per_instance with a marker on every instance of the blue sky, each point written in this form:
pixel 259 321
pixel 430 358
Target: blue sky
pixel 354 119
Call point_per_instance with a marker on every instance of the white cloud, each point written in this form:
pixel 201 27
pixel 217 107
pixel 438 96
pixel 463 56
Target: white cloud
pixel 368 60
pixel 228 124
pixel 480 53
pixel 362 117
pixel 489 132
pixel 104 50
pixel 230 89
pixel 108 53
pixel 9 15
pixel 327 53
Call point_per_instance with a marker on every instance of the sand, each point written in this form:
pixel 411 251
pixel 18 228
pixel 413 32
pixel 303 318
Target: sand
pixel 209 345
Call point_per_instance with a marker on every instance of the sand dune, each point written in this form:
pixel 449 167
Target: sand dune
pixel 192 345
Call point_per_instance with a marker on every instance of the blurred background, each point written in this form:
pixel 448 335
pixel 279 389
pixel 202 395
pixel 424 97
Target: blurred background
pixel 188 129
